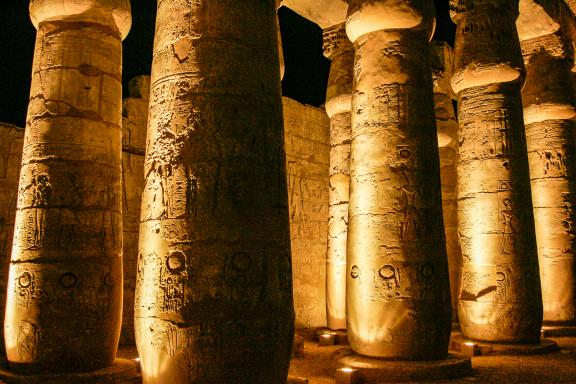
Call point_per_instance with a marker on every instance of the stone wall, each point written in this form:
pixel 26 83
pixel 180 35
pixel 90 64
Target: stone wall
pixel 307 156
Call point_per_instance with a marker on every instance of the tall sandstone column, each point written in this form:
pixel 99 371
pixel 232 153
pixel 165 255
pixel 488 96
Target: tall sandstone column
pixel 64 300
pixel 337 47
pixel 214 289
pixel 134 124
pixel 500 299
pixel 398 297
pixel 447 126
pixel 11 141
pixel 548 113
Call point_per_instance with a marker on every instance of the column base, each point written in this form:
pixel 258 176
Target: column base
pixel 298 346
pixel 460 343
pixel 558 331
pixel 121 372
pixel 372 370
pixel 340 336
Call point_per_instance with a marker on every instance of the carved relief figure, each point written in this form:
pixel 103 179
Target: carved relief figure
pixel 502 141
pixel 508 230
pixel 26 289
pixel 40 190
pixel 173 279
pixel 408 194
pixel 28 337
pixel 502 287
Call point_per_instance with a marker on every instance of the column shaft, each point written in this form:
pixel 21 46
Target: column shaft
pixel 338 48
pixel 548 111
pixel 398 287
pixel 214 289
pixel 499 288
pixel 65 286
pixel 448 147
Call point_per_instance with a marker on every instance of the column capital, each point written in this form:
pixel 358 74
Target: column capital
pixel 552 44
pixel 460 7
pixel 442 67
pixel 487 47
pixel 335 41
pixel 115 14
pixel 366 16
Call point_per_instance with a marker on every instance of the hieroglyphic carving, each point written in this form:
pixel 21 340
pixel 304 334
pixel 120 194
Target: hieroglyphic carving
pixel 307 157
pixel 11 141
pixel 214 232
pixel 507 219
pixel 496 227
pixel 409 194
pixel 66 268
pixel 395 234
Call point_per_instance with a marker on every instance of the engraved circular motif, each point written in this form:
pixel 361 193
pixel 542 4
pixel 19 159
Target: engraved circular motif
pixel 427 270
pixel 405 153
pixel 241 262
pixel 387 272
pixel 68 280
pixel 355 272
pixel 25 280
pixel 176 262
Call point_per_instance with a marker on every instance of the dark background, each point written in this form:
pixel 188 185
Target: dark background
pixel 306 69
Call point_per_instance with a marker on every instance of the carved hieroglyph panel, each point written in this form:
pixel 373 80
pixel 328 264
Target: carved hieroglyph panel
pixel 307 161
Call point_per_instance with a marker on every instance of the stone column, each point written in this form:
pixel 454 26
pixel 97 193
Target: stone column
pixel 548 114
pixel 214 285
pixel 337 47
pixel 64 301
pixel 280 49
pixel 11 141
pixel 500 298
pixel 398 297
pixel 134 123
pixel 447 126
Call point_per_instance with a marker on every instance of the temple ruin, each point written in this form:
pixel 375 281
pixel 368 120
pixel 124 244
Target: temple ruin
pixel 215 229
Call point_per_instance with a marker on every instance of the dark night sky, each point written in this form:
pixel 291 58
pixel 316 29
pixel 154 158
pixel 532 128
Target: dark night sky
pixel 306 68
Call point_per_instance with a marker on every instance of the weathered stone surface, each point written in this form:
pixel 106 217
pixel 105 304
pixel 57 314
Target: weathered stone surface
pixel 122 371
pixel 500 298
pixel 337 47
pixel 325 13
pixel 11 141
pixel 64 300
pixel 447 127
pixel 307 161
pixel 134 123
pixel 214 288
pixel 398 286
pixel 548 102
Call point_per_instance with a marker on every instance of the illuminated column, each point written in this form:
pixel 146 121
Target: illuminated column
pixel 500 298
pixel 134 124
pixel 337 47
pixel 11 141
pixel 280 49
pixel 65 286
pixel 548 112
pixel 398 296
pixel 214 284
pixel 448 147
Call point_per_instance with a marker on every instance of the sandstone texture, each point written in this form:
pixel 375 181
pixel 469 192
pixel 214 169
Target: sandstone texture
pixel 213 300
pixel 499 299
pixel 398 299
pixel 338 48
pixel 64 298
